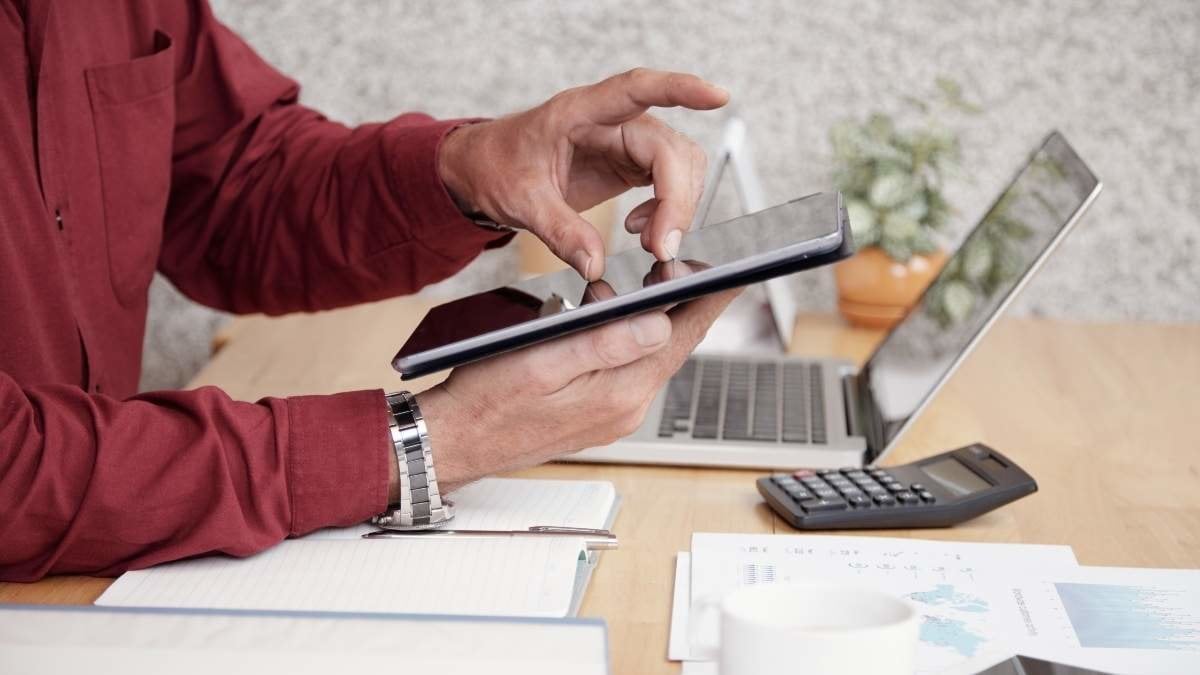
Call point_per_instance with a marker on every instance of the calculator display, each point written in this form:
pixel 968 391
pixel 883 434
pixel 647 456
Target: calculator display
pixel 955 476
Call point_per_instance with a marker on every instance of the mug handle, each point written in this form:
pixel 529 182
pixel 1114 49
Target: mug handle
pixel 701 608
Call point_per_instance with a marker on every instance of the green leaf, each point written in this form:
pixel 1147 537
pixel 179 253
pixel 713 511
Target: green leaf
pixel 863 224
pixel 977 260
pixel 1015 229
pixel 957 300
pixel 915 208
pixel 846 137
pixel 897 250
pixel 880 127
pixel 923 242
pixel 949 87
pixel 860 214
pixel 854 181
pixel 953 95
pixel 891 189
pixel 899 227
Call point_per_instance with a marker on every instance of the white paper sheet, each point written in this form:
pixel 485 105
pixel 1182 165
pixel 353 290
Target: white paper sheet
pixel 678 646
pixel 949 581
pixel 698 668
pixel 1119 620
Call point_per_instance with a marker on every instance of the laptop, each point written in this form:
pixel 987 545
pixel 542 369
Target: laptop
pixel 782 412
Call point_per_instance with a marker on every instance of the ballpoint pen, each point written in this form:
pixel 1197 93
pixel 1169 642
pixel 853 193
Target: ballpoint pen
pixel 596 540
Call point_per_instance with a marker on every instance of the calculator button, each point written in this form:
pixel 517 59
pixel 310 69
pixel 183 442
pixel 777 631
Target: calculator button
pixel 803 473
pixel 856 475
pixel 859 500
pixel 884 499
pixel 814 483
pixel 877 473
pixel 906 497
pixel 847 469
pixel 895 487
pixel 818 505
pixel 827 472
pixel 799 494
pixel 850 491
pixel 825 493
pixel 917 487
pixel 784 480
pixel 875 490
pixel 926 496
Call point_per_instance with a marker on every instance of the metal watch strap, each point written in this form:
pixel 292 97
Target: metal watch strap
pixel 421 505
pixel 484 221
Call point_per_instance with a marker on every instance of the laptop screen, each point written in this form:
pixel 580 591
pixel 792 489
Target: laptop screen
pixel 1018 231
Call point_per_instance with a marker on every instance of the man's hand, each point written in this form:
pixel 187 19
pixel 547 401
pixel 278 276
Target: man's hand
pixel 538 169
pixel 579 391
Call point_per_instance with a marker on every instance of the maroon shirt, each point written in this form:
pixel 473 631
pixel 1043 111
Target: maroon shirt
pixel 137 136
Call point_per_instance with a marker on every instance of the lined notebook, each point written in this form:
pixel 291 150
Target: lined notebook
pixel 337 570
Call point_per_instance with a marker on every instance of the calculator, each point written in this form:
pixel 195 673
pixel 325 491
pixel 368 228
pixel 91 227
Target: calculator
pixel 938 491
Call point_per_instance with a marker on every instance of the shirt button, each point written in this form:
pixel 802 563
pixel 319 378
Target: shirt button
pixel 58 219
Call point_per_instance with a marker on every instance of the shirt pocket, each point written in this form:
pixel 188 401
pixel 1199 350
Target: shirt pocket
pixel 133 108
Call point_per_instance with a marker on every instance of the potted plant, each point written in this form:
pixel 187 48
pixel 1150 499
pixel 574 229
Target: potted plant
pixel 892 179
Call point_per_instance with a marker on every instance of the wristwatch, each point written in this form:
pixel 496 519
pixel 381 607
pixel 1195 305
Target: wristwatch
pixel 486 222
pixel 421 505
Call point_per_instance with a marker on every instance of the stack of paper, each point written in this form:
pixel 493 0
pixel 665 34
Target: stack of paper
pixel 36 640
pixel 980 603
pixel 337 570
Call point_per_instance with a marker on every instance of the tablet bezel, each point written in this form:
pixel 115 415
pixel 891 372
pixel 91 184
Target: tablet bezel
pixel 822 250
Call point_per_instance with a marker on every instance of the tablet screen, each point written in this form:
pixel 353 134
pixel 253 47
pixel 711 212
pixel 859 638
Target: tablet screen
pixel 720 244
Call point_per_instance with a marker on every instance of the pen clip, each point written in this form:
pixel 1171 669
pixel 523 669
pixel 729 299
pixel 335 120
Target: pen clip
pixel 554 529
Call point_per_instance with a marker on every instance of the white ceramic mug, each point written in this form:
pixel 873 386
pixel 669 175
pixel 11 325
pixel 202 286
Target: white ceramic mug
pixel 811 628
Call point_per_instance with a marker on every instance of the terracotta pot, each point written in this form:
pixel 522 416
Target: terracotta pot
pixel 875 291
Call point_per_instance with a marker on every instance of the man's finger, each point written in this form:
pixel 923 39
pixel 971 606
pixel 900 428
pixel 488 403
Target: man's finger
pixel 569 237
pixel 556 363
pixel 640 216
pixel 623 97
pixel 677 168
pixel 597 291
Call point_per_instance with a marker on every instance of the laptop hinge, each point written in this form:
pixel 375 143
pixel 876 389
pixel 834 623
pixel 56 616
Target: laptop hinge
pixel 850 404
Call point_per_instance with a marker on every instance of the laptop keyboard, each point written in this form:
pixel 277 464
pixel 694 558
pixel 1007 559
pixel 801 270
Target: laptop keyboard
pixel 737 400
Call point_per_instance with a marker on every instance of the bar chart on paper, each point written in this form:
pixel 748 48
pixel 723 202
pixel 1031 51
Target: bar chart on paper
pixel 1118 620
pixel 1132 617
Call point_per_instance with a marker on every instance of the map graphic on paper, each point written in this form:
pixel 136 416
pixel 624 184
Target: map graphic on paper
pixel 1132 617
pixel 951 632
pixel 951 583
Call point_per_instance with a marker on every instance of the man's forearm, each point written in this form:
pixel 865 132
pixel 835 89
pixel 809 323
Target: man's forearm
pixel 96 485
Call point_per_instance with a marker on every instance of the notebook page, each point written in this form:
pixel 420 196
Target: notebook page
pixel 516 504
pixel 519 576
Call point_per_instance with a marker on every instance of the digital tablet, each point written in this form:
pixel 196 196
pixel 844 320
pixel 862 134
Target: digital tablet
pixel 801 234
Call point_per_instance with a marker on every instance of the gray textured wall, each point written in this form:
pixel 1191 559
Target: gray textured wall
pixel 1119 78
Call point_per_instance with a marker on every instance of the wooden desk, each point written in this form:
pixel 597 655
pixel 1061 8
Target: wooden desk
pixel 1105 416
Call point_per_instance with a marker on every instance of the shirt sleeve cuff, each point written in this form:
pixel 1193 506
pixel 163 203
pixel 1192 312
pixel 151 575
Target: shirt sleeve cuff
pixel 338 453
pixel 411 142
